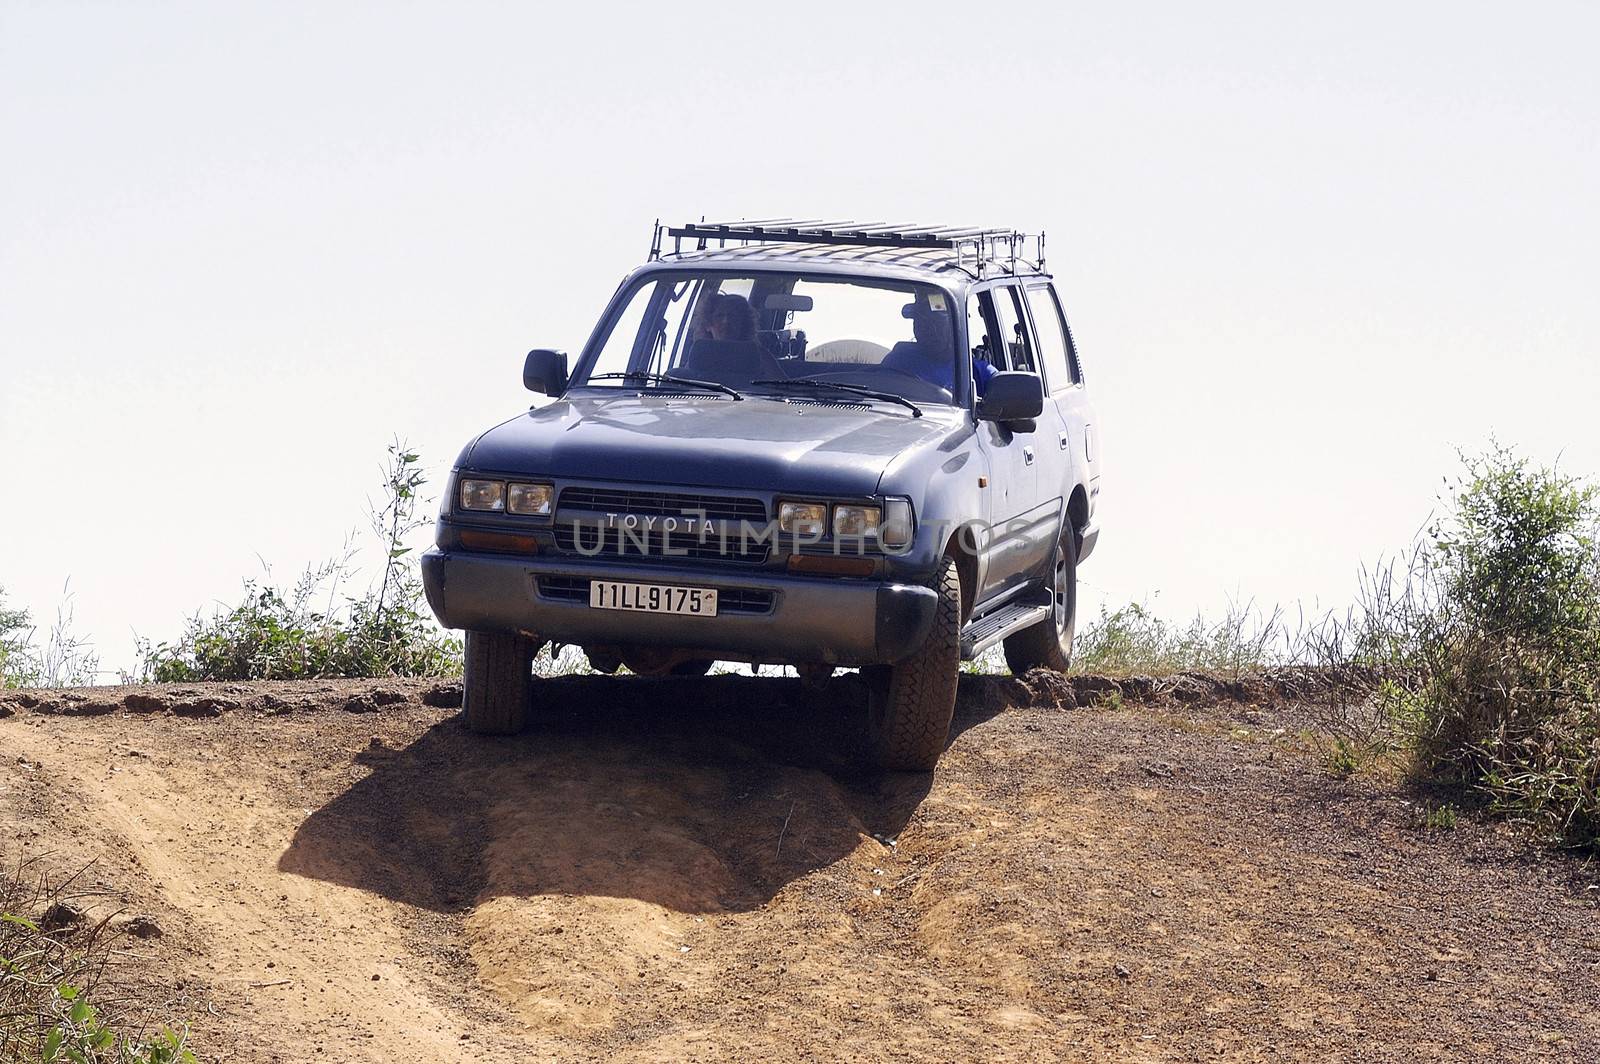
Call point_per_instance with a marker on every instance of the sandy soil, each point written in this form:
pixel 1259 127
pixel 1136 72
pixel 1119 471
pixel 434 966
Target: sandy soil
pixel 703 870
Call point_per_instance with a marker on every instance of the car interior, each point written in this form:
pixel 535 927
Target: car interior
pixel 919 365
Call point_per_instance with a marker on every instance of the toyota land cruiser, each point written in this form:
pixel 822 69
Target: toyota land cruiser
pixel 815 444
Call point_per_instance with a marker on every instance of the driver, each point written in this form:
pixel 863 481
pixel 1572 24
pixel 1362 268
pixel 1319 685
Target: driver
pixel 732 318
pixel 736 315
pixel 930 356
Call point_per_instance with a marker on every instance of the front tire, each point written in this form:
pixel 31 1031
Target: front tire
pixel 1048 644
pixel 909 711
pixel 497 682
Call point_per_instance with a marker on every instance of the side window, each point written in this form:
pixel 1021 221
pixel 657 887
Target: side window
pixel 1014 337
pixel 978 332
pixel 1058 370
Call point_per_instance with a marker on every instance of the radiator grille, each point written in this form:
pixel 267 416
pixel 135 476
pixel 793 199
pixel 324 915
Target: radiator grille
pixel 663 504
pixel 683 546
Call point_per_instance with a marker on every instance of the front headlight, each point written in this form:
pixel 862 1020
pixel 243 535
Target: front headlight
pixel 483 495
pixel 808 519
pixel 853 522
pixel 531 500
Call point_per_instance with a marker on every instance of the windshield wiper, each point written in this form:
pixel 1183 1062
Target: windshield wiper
pixel 854 389
pixel 658 379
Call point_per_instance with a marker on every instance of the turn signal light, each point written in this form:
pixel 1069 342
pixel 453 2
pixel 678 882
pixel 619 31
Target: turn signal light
pixel 831 565
pixel 499 542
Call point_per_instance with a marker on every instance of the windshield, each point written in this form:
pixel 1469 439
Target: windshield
pixel 748 332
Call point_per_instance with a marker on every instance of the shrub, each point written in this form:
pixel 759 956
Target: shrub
pixel 1343 758
pixel 299 633
pixel 1438 817
pixel 1498 668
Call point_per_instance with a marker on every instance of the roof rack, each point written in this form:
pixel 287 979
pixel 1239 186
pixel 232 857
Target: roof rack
pixel 983 245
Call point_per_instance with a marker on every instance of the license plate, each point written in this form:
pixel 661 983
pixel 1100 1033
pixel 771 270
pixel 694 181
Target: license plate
pixel 653 598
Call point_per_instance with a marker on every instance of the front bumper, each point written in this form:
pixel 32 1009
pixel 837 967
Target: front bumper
pixel 836 620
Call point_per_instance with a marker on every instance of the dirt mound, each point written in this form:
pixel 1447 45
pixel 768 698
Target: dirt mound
pixel 214 699
pixel 706 869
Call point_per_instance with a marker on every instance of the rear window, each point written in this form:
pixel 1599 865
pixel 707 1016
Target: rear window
pixel 1052 338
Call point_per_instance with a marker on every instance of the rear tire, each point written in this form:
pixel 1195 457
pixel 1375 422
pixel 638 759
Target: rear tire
pixel 497 682
pixel 910 708
pixel 1048 644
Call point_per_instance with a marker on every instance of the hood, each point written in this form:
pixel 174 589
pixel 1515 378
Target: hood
pixel 758 443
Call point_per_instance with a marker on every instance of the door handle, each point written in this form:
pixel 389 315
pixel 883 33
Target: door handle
pixel 1063 438
pixel 1027 455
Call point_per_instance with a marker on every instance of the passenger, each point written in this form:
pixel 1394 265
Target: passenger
pixel 982 370
pixel 732 318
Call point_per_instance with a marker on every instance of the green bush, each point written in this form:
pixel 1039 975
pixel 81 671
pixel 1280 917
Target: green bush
pixel 299 633
pixel 1343 757
pixel 1438 817
pixel 273 635
pixel 1499 670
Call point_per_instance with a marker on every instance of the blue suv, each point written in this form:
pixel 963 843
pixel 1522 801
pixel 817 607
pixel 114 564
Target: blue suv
pixel 814 444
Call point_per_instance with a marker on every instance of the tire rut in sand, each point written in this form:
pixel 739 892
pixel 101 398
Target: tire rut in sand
pixel 598 851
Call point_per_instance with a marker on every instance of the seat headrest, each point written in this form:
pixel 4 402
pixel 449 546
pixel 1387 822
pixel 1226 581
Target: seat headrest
pixel 731 361
pixel 723 350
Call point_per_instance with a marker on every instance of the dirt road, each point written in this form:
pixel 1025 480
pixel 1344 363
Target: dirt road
pixel 703 870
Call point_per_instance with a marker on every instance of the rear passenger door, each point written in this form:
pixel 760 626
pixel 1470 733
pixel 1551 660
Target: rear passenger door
pixel 1065 430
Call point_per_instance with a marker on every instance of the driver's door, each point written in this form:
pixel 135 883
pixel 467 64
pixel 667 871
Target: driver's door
pixel 1020 524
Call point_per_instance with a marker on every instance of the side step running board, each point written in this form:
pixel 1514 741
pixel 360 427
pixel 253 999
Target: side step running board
pixel 987 631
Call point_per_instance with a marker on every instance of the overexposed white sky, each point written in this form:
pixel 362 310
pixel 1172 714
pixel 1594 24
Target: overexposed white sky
pixel 1306 253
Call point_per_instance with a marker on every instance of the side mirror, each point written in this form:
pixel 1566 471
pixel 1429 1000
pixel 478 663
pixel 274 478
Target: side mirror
pixel 1012 397
pixel 545 371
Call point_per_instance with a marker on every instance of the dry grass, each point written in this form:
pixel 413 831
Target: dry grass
pixel 1133 641
pixel 56 1003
